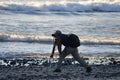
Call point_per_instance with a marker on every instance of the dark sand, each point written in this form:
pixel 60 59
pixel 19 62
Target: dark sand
pixel 42 69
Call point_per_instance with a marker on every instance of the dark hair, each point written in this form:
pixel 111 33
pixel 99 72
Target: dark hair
pixel 57 33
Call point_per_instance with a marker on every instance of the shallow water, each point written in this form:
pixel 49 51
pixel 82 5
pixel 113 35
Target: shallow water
pixel 27 29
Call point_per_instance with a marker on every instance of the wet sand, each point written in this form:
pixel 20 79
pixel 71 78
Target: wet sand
pixel 42 69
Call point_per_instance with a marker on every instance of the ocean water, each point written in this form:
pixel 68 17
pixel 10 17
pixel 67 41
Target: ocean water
pixel 26 26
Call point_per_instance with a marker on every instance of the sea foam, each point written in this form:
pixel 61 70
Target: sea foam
pixel 62 6
pixel 49 39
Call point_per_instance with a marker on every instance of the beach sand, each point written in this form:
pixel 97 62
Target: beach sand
pixel 42 69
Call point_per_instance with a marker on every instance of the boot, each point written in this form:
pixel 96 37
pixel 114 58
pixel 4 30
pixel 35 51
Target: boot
pixel 88 69
pixel 57 70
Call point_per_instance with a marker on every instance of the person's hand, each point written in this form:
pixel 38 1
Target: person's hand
pixel 51 56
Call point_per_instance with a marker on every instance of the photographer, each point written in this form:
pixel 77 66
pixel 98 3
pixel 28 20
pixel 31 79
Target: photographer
pixel 71 42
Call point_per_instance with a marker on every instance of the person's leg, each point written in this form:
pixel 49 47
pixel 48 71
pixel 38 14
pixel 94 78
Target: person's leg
pixel 76 56
pixel 61 58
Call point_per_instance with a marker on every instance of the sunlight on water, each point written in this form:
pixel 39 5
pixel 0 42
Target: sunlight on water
pixel 26 25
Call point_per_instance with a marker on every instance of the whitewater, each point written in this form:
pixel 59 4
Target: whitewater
pixel 26 26
pixel 61 5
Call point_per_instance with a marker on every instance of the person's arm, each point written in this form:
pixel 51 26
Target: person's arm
pixel 59 45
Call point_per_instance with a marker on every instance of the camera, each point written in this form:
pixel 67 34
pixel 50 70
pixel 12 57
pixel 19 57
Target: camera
pixel 53 35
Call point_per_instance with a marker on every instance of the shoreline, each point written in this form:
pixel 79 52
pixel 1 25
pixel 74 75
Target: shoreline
pixel 41 58
pixel 42 69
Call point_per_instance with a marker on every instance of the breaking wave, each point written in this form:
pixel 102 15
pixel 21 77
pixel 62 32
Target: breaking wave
pixel 61 6
pixel 24 38
pixel 49 40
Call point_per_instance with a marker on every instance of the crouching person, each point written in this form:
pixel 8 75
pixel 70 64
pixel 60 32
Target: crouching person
pixel 71 42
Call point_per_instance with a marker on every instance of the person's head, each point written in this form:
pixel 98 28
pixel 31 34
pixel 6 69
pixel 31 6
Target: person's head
pixel 57 33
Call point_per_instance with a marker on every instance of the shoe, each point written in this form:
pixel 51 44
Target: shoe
pixel 57 70
pixel 88 69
